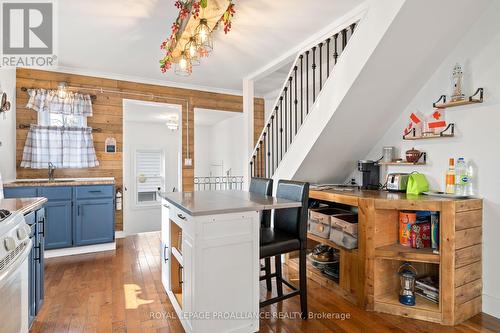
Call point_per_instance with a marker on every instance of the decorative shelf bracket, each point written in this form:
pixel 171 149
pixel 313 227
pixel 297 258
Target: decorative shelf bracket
pixel 449 131
pixel 442 104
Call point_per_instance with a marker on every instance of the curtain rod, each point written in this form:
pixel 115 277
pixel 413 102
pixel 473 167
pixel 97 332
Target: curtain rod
pixel 92 97
pixel 27 126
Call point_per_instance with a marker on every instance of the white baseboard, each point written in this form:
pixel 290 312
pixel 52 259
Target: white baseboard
pixel 120 234
pixel 69 251
pixel 491 305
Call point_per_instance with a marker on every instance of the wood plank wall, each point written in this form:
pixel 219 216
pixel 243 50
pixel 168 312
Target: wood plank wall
pixel 108 115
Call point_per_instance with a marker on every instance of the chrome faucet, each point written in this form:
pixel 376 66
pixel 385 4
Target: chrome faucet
pixel 52 168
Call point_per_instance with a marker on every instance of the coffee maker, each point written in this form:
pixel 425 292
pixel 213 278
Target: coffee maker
pixel 371 174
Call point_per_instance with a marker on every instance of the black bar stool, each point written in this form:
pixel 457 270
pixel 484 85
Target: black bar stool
pixel 264 186
pixel 287 235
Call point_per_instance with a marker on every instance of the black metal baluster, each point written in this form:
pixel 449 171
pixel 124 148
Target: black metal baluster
pixel 257 171
pixel 276 134
pixel 295 100
pixel 281 129
pixel 266 153
pixel 320 66
pixel 261 160
pixel 327 58
pixel 253 169
pixel 307 82
pixel 335 48
pixel 291 109
pixel 301 89
pixel 344 39
pixel 286 120
pixel 352 27
pixel 314 73
pixel 268 150
pixel 272 144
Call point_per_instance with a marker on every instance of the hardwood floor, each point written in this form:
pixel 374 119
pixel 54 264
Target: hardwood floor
pixel 121 292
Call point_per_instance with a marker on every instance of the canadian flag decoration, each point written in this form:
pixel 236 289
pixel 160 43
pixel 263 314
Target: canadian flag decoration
pixel 416 123
pixel 435 121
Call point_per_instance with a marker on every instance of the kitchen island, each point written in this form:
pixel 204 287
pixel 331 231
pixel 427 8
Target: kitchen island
pixel 210 257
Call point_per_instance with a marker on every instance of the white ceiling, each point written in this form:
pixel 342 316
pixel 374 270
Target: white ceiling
pixel 122 37
pixel 149 112
pixel 207 117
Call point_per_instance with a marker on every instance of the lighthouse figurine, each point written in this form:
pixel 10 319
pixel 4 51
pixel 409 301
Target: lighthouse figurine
pixel 458 77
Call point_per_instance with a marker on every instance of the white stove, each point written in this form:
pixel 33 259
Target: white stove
pixel 15 246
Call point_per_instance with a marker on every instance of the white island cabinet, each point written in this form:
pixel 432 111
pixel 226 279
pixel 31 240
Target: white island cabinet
pixel 210 258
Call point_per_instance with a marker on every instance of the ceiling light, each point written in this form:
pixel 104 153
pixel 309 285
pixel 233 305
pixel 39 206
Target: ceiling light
pixel 192 51
pixel 184 66
pixel 203 36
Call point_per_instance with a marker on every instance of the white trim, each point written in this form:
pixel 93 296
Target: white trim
pixel 491 305
pixel 139 79
pixel 120 234
pixel 69 251
pixel 353 15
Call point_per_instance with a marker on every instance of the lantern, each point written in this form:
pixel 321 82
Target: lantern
pixel 407 275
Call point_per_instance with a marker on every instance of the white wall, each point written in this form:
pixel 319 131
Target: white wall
pixel 476 139
pixel 221 142
pixel 142 135
pixel 8 126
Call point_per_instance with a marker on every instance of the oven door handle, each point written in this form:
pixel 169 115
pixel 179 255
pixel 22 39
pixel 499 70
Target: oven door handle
pixel 18 261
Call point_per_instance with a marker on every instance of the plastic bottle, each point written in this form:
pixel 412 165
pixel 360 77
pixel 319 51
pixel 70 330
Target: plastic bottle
pixel 461 177
pixel 450 177
pixel 469 190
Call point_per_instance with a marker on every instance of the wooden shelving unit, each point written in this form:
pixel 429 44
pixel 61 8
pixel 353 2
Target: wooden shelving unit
pixel 471 100
pixel 402 163
pixel 400 252
pixel 448 132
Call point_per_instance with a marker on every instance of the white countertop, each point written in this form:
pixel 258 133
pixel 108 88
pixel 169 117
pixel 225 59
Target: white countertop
pixel 223 202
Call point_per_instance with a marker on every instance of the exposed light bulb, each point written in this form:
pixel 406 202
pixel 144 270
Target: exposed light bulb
pixel 183 63
pixel 203 35
pixel 192 50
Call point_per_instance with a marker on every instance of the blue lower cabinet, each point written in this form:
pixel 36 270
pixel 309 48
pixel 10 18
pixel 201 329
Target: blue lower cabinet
pixel 20 192
pixel 32 274
pixel 40 265
pixel 94 221
pixel 74 215
pixel 58 225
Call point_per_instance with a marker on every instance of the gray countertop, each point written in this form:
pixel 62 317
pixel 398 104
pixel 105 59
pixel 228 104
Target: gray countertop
pixel 223 202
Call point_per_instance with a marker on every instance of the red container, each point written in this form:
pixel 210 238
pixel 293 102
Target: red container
pixel 406 220
pixel 421 235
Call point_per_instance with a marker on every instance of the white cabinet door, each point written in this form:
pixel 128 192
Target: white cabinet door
pixel 187 277
pixel 165 245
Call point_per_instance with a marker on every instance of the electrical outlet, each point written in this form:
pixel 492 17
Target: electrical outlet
pixel 188 162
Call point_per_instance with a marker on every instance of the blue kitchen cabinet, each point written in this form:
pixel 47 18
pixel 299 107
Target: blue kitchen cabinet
pixel 94 222
pixel 74 215
pixel 20 192
pixel 58 225
pixel 40 267
pixel 31 221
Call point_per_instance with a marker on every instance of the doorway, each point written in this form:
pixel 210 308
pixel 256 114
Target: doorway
pixel 152 142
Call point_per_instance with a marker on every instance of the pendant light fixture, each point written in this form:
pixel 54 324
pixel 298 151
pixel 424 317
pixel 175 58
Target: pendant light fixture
pixel 184 66
pixel 192 51
pixel 193 33
pixel 203 36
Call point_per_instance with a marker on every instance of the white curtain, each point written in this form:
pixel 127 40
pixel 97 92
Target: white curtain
pixel 49 101
pixel 65 147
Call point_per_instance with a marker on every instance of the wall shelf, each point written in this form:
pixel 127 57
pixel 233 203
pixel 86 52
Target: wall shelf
pixel 448 132
pixel 471 100
pixel 402 163
pixel 404 253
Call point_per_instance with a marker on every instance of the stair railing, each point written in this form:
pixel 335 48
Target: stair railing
pixel 295 100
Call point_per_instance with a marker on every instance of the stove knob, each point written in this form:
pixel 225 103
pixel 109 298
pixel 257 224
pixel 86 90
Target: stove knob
pixel 10 243
pixel 21 233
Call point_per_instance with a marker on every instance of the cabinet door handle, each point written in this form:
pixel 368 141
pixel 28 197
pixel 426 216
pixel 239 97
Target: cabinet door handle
pixel 166 206
pixel 182 217
pixel 165 253
pixel 95 191
pixel 37 249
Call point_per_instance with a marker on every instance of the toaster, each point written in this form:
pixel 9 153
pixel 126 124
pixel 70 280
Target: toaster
pixel 397 181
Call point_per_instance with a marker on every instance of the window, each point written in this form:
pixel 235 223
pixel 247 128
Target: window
pixel 46 118
pixel 149 171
